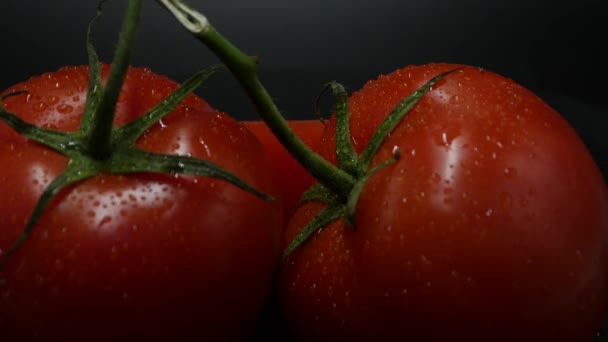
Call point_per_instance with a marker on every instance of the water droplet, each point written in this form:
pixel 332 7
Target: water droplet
pixel 40 106
pixel 435 178
pixel 53 100
pixel 489 212
pixel 425 260
pixel 105 220
pixel 456 99
pixel 510 172
pixel 64 108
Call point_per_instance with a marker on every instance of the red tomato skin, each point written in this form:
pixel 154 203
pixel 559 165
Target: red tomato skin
pixel 293 179
pixel 140 256
pixel 492 226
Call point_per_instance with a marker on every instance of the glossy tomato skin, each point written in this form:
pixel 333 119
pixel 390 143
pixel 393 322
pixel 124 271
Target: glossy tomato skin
pixel 291 177
pixel 492 226
pixel 141 256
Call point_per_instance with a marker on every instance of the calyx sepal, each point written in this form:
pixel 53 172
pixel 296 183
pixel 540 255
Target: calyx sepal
pixel 358 166
pixel 99 147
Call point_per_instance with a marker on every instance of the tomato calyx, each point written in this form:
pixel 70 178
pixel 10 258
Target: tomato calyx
pixel 339 186
pixel 99 147
pixel 358 166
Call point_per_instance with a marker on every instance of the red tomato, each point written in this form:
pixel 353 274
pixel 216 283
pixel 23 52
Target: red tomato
pixel 492 226
pixel 290 176
pixel 144 256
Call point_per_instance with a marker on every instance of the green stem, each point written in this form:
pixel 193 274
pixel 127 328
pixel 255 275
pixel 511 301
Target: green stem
pixel 99 141
pixel 244 68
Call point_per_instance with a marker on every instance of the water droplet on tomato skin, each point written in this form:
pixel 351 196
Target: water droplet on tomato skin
pixel 40 106
pixel 510 172
pixel 425 260
pixel 53 100
pixel 65 108
pixel 50 125
pixel 456 99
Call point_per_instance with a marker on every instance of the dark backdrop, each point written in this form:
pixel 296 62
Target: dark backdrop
pixel 555 48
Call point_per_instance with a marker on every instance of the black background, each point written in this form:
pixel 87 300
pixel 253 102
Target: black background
pixel 555 48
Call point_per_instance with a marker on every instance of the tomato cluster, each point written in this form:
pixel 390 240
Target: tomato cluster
pixel 480 215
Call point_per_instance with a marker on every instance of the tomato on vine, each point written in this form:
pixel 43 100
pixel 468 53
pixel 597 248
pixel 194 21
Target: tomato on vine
pixel 452 203
pixel 131 208
pixel 491 225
